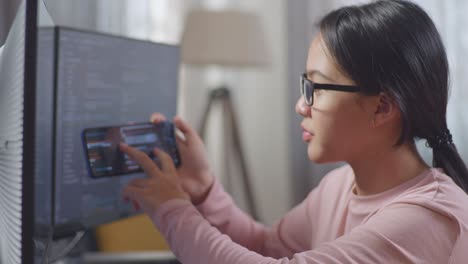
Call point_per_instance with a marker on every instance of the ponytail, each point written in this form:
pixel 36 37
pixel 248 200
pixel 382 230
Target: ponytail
pixel 446 156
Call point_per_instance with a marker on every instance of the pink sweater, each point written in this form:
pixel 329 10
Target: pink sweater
pixel 424 220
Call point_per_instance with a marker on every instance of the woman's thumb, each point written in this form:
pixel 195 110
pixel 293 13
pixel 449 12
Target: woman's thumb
pixel 184 127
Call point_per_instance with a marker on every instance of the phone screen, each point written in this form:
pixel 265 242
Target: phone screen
pixel 104 158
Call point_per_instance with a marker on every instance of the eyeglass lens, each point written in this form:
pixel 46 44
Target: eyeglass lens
pixel 307 90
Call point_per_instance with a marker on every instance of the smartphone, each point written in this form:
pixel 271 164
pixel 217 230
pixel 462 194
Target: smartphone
pixel 104 158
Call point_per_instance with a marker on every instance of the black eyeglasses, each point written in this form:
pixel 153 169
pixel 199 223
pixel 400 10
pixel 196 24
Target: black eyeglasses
pixel 308 87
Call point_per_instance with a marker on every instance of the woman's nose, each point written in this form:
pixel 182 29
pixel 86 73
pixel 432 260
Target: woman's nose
pixel 302 108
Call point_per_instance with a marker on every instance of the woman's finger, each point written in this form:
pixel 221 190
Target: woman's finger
pixel 181 144
pixel 185 128
pixel 141 158
pixel 136 206
pixel 166 161
pixel 157 117
pixel 180 135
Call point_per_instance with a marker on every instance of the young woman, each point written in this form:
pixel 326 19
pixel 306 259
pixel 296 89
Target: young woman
pixel 376 80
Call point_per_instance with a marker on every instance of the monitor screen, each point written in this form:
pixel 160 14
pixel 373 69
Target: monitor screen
pixel 86 80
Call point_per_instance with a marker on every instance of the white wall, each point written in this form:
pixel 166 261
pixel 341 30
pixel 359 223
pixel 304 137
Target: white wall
pixel 260 99
pixel 265 108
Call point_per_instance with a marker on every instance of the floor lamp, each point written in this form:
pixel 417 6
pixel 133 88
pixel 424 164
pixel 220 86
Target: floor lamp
pixel 227 39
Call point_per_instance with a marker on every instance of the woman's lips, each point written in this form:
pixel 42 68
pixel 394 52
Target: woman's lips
pixel 306 135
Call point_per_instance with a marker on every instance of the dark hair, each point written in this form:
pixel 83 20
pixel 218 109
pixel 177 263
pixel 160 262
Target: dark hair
pixel 392 46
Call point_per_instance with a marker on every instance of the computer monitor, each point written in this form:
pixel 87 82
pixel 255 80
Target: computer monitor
pixel 17 93
pixel 88 79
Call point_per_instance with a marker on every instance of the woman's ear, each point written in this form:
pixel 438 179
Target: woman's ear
pixel 386 110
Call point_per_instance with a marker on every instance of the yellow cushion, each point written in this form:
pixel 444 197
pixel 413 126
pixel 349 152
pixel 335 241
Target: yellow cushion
pixel 131 234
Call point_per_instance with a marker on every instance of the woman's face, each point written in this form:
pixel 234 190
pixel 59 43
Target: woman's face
pixel 337 126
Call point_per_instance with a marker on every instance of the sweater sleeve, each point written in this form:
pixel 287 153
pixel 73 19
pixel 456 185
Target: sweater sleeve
pixel 281 240
pixel 394 235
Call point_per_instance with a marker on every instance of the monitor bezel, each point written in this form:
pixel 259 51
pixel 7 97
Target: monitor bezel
pixel 30 60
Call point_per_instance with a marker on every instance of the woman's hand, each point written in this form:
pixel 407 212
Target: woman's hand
pixel 160 186
pixel 195 174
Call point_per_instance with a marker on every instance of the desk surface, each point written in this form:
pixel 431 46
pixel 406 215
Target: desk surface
pixel 156 257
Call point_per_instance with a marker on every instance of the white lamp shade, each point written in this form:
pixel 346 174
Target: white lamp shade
pixel 228 38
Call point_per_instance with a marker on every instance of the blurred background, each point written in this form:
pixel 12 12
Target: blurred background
pixel 263 97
